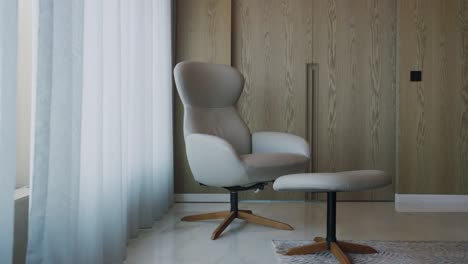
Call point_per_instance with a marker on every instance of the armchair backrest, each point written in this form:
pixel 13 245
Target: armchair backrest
pixel 209 93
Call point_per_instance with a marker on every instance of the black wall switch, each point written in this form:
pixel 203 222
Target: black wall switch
pixel 416 76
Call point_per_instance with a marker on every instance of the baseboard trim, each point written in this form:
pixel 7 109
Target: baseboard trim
pixel 431 203
pixel 201 198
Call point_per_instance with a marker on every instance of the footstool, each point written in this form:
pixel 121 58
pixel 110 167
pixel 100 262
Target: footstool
pixel 331 183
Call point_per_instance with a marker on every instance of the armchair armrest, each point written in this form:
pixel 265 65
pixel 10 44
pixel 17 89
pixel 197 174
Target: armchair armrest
pixel 271 142
pixel 214 162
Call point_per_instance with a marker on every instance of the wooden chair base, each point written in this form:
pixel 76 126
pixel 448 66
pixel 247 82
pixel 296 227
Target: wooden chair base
pixel 338 249
pixel 229 216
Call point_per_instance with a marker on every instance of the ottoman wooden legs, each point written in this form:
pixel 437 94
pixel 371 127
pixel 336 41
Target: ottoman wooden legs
pixel 337 248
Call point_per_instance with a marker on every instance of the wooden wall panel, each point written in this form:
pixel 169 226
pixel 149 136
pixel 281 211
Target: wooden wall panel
pixel 434 113
pixel 203 33
pixel 272 43
pixel 354 46
pixel 203 30
pixel 351 46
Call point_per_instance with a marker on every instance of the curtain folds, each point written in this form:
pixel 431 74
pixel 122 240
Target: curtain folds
pixel 103 127
pixel 8 36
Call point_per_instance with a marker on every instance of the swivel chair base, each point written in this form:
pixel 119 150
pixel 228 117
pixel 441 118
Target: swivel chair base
pixel 234 213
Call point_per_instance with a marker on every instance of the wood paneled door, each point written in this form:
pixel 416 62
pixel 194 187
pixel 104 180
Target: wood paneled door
pixel 324 70
pixel 354 45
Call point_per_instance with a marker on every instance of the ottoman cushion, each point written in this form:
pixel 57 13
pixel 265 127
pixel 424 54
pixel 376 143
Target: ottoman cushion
pixel 346 181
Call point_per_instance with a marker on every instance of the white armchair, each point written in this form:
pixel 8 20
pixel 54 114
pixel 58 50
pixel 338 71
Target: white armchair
pixel 220 149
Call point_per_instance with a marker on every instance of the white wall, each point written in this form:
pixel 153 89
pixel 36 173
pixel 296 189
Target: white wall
pixel 23 107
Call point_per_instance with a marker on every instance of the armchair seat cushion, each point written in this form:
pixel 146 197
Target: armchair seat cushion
pixel 265 167
pixel 345 181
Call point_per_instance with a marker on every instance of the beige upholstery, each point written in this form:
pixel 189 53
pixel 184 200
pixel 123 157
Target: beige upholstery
pixel 220 149
pixel 347 181
pixel 275 142
pixel 269 166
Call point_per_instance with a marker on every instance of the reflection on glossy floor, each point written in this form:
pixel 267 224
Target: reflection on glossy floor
pixel 174 242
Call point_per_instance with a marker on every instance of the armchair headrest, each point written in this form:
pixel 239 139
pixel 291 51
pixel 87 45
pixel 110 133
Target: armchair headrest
pixel 208 85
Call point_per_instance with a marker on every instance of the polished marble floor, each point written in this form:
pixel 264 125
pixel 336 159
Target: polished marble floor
pixel 174 242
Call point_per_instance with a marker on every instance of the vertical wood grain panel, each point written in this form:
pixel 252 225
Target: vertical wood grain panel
pixel 203 30
pixel 433 113
pixel 462 166
pixel 272 44
pixel 354 46
pixel 331 91
pixel 383 90
pixel 203 33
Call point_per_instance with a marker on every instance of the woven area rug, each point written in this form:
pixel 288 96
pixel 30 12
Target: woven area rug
pixel 394 252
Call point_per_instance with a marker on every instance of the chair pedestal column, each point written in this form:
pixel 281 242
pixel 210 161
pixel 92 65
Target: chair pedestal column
pixel 234 201
pixel 330 243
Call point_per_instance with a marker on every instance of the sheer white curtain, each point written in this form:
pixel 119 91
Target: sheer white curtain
pixel 8 34
pixel 103 127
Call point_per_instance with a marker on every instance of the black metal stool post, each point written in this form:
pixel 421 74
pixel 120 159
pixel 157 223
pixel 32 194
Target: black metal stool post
pixel 234 201
pixel 331 218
